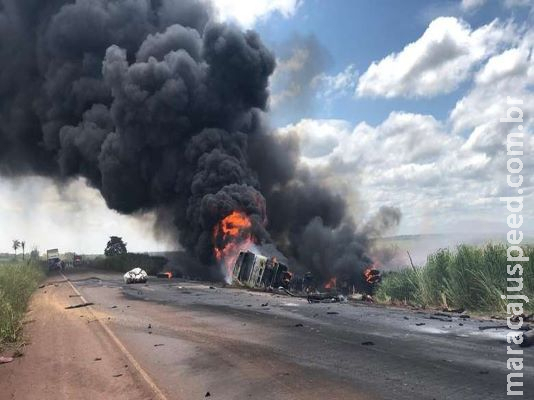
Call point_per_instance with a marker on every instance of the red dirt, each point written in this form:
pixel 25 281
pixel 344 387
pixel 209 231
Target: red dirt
pixel 59 361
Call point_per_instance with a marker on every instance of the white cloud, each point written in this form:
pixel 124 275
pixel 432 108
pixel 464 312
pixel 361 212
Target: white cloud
pixel 247 12
pixel 401 138
pixel 509 73
pixel 510 63
pixel 518 3
pixel 436 63
pixel 331 86
pixel 469 5
pixel 319 139
pixel 437 177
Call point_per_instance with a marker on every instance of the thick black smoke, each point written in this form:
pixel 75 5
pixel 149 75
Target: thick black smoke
pixel 160 109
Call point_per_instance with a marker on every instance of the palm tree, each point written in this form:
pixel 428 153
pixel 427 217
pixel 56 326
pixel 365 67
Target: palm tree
pixel 16 245
pixel 23 245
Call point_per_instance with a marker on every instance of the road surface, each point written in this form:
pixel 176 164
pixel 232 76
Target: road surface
pixel 191 340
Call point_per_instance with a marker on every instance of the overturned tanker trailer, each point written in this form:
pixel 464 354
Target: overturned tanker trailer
pixel 257 271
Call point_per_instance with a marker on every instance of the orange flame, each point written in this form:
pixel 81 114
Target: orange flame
pixel 169 274
pixel 231 236
pixel 371 274
pixel 331 283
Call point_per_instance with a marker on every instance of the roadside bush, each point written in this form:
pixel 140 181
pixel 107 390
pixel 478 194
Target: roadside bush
pixel 472 278
pixel 432 281
pixel 17 283
pixel 125 262
pixel 399 286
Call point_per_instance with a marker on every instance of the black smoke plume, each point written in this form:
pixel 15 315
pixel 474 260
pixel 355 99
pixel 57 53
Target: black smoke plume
pixel 161 109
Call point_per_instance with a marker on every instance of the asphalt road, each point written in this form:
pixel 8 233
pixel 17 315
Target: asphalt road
pixel 196 341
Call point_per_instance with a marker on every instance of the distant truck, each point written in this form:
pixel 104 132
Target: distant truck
pixel 257 271
pixel 53 260
pixel 77 260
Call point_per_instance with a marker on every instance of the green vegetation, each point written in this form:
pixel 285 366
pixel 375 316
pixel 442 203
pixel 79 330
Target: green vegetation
pixel 471 278
pixel 17 283
pixel 125 262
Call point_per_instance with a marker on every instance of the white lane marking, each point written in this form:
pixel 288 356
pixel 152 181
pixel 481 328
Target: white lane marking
pixel 159 394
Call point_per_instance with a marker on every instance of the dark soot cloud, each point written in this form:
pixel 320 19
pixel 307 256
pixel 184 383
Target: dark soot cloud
pixel 162 110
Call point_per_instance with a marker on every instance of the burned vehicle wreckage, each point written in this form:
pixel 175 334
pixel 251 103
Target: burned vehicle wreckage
pixel 260 272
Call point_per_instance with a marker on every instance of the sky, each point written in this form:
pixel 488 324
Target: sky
pixel 394 103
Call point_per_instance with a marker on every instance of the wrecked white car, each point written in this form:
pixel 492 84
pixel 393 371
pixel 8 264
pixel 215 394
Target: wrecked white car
pixel 136 275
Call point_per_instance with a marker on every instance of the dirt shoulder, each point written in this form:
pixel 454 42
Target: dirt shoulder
pixel 68 355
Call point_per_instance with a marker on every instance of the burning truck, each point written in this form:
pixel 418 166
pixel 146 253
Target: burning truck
pixel 233 239
pixel 254 270
pixel 257 271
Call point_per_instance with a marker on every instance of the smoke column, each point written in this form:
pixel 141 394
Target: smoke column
pixel 161 109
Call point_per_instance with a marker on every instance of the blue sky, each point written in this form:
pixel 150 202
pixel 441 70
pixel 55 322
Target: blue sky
pixel 360 32
pixel 406 96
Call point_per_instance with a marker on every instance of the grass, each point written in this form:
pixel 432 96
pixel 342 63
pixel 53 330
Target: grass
pixel 18 280
pixel 471 278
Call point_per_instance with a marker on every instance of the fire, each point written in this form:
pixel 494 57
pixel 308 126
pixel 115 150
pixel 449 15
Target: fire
pixel 230 236
pixel 169 274
pixel 233 224
pixel 372 275
pixel 331 283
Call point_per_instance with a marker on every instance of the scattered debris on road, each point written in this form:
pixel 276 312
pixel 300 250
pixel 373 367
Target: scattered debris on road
pixel 528 339
pixel 98 359
pixel 525 317
pixel 326 298
pixel 485 327
pixel 440 318
pixel 79 306
pixel 208 394
pixel 117 375
pixel 5 360
pixel 159 344
pixel 298 325
pixel 369 343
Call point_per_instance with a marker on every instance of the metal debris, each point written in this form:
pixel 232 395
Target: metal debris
pixel 326 298
pixel 78 306
pixel 528 339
